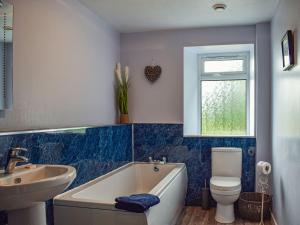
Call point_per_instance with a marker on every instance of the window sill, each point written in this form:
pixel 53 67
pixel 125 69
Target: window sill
pixel 220 136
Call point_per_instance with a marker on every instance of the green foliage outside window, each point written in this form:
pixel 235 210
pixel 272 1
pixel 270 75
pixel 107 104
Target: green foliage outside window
pixel 224 107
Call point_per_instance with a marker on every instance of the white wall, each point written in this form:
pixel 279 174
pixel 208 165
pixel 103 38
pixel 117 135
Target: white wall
pixel 64 57
pixel 163 100
pixel 286 122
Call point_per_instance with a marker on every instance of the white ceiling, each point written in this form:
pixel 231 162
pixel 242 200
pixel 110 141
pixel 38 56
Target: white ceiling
pixel 144 15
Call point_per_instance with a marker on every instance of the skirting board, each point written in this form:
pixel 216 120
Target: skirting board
pixel 273 220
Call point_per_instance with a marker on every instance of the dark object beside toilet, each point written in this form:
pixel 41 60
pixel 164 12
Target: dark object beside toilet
pixel 205 198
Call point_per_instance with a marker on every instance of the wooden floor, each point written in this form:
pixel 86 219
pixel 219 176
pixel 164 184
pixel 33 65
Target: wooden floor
pixel 197 216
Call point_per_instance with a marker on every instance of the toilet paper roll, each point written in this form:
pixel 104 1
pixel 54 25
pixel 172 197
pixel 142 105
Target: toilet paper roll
pixel 264 167
pixel 260 166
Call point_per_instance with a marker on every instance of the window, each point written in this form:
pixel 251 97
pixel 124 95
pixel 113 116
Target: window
pixel 224 94
pixel 219 90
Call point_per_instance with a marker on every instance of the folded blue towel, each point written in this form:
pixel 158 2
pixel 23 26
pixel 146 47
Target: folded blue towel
pixel 136 203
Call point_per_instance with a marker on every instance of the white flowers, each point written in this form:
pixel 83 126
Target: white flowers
pixel 118 73
pixel 122 76
pixel 126 73
pixel 122 88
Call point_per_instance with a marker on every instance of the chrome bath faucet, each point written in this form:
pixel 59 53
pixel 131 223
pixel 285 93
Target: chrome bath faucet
pixel 163 161
pixel 13 158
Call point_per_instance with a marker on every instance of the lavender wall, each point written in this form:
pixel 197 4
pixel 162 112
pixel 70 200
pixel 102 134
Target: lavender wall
pixel 64 57
pixel 162 102
pixel 286 123
pixel 263 96
pixel 263 92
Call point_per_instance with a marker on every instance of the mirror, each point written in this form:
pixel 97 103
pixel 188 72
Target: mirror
pixel 6 54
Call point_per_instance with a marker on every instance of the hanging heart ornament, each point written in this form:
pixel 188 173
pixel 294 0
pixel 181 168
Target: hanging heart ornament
pixel 152 73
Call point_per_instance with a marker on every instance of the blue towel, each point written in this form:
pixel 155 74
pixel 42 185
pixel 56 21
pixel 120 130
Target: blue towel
pixel 136 203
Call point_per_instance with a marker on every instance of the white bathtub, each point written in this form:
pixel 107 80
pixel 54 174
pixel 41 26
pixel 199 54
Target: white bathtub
pixel 93 202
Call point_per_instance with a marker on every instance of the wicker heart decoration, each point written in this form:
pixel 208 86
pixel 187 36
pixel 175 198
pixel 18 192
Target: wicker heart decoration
pixel 152 73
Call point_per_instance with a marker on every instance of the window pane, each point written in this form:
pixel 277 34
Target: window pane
pixel 218 66
pixel 224 107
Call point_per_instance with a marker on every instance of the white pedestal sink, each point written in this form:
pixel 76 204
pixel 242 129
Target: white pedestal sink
pixel 24 192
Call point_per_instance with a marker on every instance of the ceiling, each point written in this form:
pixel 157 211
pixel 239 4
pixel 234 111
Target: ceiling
pixel 128 16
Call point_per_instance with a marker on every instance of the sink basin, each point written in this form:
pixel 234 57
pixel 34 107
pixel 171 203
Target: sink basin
pixel 28 187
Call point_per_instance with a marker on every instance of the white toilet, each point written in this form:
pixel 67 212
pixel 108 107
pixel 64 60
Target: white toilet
pixel 225 184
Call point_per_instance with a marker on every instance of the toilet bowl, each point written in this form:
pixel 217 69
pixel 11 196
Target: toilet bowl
pixel 225 191
pixel 225 183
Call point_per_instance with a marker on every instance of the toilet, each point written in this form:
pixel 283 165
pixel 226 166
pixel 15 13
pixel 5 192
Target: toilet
pixel 225 183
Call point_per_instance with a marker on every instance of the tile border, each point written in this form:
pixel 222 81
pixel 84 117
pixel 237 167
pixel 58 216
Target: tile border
pixel 53 130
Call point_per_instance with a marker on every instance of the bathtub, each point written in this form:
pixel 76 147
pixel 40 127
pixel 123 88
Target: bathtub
pixel 93 203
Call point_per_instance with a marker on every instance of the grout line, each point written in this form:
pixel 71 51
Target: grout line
pixel 132 142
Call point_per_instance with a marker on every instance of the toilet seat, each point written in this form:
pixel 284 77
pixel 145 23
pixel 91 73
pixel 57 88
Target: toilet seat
pixel 225 185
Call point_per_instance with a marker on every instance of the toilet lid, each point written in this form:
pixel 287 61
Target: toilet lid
pixel 225 183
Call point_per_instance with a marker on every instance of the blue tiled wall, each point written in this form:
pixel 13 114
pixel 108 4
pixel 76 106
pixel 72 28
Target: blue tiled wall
pixel 92 151
pixel 160 140
pixel 96 151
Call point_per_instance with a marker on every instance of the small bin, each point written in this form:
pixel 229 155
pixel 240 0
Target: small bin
pixel 249 205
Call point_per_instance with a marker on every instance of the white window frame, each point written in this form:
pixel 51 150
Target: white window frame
pixel 224 76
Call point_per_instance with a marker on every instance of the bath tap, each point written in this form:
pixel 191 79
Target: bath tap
pixel 13 158
pixel 163 161
pixel 151 160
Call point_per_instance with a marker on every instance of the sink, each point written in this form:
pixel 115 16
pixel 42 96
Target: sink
pixel 24 192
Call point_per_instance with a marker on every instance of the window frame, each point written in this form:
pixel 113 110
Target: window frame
pixel 225 76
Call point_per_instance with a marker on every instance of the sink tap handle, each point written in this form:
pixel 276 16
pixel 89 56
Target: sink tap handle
pixel 16 151
pixel 21 159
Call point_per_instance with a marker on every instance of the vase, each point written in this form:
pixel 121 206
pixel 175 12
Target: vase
pixel 124 118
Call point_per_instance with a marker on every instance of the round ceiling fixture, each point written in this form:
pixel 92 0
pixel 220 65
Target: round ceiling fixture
pixel 219 7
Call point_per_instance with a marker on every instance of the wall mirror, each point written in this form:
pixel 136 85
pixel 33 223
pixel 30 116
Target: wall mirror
pixel 6 54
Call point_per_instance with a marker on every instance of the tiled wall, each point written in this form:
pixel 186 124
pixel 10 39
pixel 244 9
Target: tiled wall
pixel 93 151
pixel 96 151
pixel 160 140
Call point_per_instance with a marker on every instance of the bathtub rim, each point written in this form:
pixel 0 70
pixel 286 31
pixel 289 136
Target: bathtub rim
pixel 66 199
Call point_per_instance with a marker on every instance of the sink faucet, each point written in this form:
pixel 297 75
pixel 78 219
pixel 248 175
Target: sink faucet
pixel 13 158
pixel 163 161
